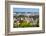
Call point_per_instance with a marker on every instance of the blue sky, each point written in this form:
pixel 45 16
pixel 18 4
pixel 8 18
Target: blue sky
pixel 25 9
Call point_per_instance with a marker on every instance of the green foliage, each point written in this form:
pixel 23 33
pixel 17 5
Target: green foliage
pixel 23 24
pixel 37 23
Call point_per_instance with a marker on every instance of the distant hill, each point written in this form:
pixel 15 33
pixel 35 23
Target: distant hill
pixel 25 13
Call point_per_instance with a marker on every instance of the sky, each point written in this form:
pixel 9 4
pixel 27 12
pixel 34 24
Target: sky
pixel 25 9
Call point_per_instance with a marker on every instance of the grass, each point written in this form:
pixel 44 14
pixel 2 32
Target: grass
pixel 25 24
